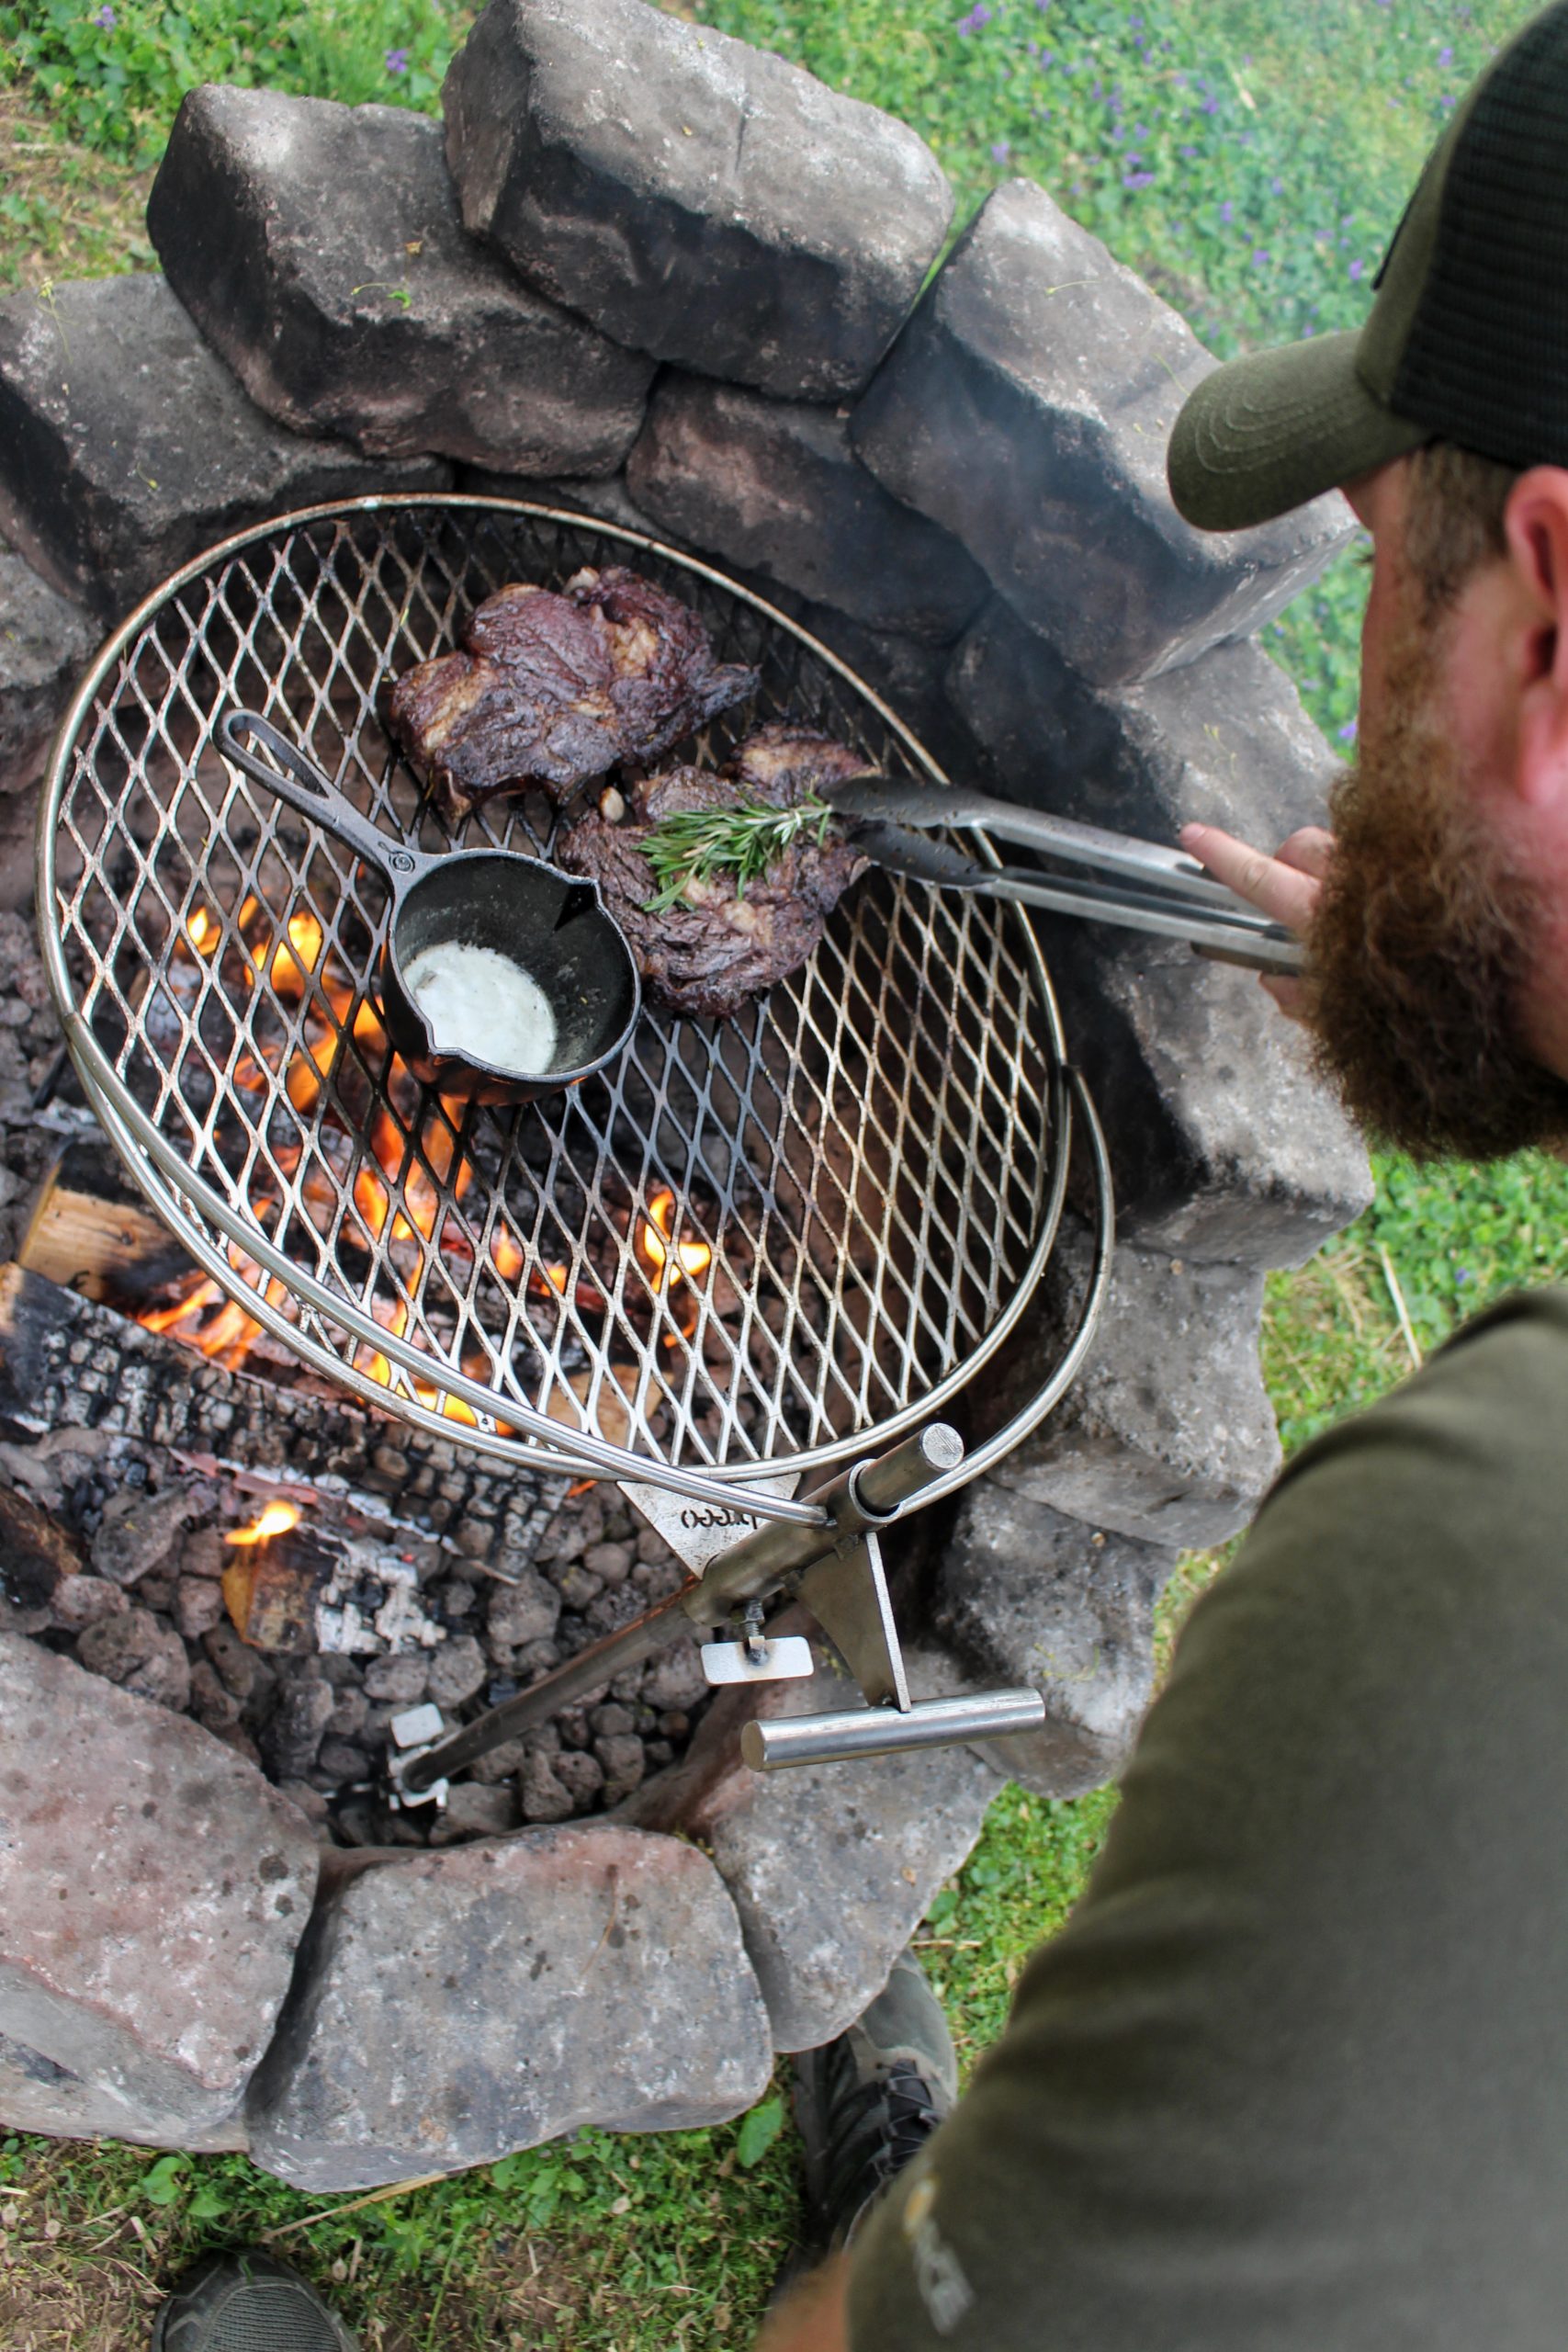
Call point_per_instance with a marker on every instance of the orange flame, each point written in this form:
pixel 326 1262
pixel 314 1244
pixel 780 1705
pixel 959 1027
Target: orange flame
pixel 691 1257
pixel 202 930
pixel 275 1520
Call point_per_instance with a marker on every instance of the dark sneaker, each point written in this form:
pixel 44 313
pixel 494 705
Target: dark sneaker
pixel 247 2303
pixel 869 2102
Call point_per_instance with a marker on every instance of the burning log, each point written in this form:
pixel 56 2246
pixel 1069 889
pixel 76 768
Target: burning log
pixel 271 1587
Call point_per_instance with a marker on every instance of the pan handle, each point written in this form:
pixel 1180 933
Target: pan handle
pixel 297 781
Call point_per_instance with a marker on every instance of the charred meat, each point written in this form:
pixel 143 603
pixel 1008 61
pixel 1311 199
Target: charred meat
pixel 553 690
pixel 719 945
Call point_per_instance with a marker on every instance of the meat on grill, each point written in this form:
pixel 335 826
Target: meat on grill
pixel 553 689
pixel 714 948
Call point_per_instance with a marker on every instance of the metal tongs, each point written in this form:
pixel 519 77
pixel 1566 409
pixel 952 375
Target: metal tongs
pixel 1155 888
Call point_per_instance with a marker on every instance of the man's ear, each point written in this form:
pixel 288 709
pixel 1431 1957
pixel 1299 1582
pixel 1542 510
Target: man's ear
pixel 1535 524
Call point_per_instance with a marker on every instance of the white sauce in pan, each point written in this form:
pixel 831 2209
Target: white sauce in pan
pixel 479 1003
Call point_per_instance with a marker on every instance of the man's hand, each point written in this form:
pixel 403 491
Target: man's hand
pixel 813 2318
pixel 1283 886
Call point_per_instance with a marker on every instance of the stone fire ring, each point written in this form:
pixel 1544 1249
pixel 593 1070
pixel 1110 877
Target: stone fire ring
pixel 959 490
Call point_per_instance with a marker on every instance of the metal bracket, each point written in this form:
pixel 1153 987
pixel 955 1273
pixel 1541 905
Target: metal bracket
pixel 846 1594
pixel 785 1658
pixel 414 1734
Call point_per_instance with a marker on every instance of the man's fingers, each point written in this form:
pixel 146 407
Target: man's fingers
pixel 1284 891
pixel 1309 850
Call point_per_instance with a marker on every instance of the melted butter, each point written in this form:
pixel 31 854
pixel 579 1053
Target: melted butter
pixel 480 1003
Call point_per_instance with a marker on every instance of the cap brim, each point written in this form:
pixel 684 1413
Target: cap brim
pixel 1267 433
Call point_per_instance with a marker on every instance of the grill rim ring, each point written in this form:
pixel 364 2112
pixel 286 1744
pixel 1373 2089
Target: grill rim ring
pixel 143 1149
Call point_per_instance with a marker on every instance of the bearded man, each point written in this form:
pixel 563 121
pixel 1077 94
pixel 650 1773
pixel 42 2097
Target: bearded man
pixel 1295 2074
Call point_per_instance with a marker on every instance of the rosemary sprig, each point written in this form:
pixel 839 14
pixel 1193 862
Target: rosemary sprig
pixel 701 844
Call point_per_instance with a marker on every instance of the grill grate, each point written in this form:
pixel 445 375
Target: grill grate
pixel 787 1235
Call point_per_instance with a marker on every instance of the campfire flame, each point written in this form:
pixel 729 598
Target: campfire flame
pixel 403 1193
pixel 275 1520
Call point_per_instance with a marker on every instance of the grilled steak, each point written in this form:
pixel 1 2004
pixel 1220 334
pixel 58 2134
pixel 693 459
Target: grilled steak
pixel 714 948
pixel 554 689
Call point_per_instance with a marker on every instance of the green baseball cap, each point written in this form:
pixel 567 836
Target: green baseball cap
pixel 1467 340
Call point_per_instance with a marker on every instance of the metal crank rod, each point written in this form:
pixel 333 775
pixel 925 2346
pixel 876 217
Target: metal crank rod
pixel 836 1569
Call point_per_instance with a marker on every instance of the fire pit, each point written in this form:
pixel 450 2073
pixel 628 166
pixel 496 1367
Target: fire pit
pixel 749 1254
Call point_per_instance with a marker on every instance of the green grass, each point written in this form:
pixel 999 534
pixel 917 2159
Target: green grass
pixel 1251 158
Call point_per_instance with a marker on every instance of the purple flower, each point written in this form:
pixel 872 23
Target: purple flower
pixel 1188 151
pixel 1260 257
pixel 104 17
pixel 1139 179
pixel 396 61
pixel 1275 187
pixel 1445 56
pixel 1347 732
pixel 1211 106
pixel 1445 101
pixel 1356 268
pixel 1000 151
pixel 1463 1274
pixel 978 14
pixel 1227 212
pixel 1047 58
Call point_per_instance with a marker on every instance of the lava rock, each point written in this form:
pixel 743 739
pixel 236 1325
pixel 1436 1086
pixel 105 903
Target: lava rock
pixel 319 249
pixel 1223 742
pixel 476 1810
pixel 155 1981
pixel 1024 1595
pixel 78 1602
pixel 1026 407
pixel 293 1732
pixel 126 447
pixel 1172 1443
pixel 199 1605
pixel 145 1658
pixel 45 640
pixel 402 1681
pixel 776 487
pixel 525 1612
pixel 831 1866
pixel 541 1791
pixel 1224 1145
pixel 453 2006
pixel 338 1762
pixel 457 1669
pixel 695 197
pixel 621 1758
pixel 211 1701
pixel 611 1563
pixel 676 1678
pixel 582 1776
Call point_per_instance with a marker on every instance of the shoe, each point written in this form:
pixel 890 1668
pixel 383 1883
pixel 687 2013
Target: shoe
pixel 247 2303
pixel 868 2102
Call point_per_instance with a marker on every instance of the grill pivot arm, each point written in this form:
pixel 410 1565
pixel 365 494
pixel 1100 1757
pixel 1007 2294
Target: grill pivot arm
pixel 835 1566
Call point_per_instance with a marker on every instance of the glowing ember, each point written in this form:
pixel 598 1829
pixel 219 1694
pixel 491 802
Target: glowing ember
pixel 202 932
pixel 275 1520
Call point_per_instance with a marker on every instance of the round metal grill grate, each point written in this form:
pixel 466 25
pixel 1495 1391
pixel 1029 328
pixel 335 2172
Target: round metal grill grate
pixel 790 1234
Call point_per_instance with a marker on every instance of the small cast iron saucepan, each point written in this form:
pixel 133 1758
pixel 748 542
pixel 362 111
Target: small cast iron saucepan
pixel 551 926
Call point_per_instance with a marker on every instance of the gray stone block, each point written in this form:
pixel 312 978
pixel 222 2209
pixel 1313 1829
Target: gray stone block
pixel 1025 1595
pixel 126 447
pixel 831 1866
pixel 148 1928
pixel 774 487
pixel 1223 1143
pixel 452 2007
pixel 320 251
pixel 1223 742
pixel 45 640
pixel 36 2095
pixel 693 197
pixel 1166 1435
pixel 1026 407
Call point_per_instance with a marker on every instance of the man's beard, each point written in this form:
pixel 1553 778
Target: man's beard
pixel 1422 940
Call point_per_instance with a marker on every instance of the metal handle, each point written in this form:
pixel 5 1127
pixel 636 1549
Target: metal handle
pixel 1151 863
pixel 300 783
pixel 769 1744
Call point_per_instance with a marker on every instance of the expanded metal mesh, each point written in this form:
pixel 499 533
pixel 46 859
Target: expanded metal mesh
pixel 781 1235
